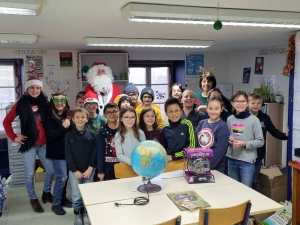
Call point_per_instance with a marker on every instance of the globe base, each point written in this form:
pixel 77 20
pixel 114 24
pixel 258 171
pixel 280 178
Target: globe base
pixel 149 187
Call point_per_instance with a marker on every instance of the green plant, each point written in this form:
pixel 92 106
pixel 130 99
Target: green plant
pixel 267 90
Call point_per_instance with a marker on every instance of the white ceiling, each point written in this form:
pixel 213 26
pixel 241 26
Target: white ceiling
pixel 63 24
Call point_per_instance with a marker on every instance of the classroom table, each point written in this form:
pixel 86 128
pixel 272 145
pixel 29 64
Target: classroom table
pixel 120 189
pixel 225 192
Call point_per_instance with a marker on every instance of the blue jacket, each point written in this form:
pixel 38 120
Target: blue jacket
pixel 177 136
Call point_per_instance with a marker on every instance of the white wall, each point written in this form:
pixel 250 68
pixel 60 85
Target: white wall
pixel 220 61
pixel 273 65
pixel 52 58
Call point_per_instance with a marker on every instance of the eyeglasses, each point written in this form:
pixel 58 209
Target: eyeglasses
pixel 111 113
pixel 174 112
pixel 240 102
pixel 129 118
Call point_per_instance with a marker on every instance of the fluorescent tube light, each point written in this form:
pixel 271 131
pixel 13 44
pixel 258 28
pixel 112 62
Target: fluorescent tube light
pixel 23 8
pixel 140 42
pixel 135 12
pixel 18 38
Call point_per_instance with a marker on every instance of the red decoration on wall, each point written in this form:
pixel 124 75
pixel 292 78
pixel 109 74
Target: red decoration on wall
pixel 290 56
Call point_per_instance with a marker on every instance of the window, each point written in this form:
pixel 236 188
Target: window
pixel 7 88
pixel 155 77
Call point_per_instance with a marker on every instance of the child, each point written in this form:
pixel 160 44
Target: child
pixel 189 111
pixel 128 135
pixel 255 104
pixel 149 126
pixel 215 92
pixel 80 150
pixel 32 110
pixel 78 102
pixel 245 137
pixel 57 126
pixel 79 99
pixel 90 103
pixel 106 153
pixel 133 94
pixel 147 96
pixel 176 91
pixel 213 133
pixel 179 133
pixel 124 100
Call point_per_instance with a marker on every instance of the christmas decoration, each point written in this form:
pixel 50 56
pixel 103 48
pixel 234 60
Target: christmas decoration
pixel 218 24
pixel 290 57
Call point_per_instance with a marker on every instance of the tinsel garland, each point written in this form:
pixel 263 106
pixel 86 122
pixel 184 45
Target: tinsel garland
pixel 290 57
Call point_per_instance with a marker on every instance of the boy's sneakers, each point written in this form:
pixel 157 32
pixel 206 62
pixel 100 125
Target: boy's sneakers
pixel 78 219
pixel 58 210
pixel 36 206
pixel 86 220
pixel 47 197
pixel 66 203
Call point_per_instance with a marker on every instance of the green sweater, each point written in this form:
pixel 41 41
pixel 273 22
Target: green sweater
pixel 96 123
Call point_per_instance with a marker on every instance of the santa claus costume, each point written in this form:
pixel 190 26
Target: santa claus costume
pixel 100 79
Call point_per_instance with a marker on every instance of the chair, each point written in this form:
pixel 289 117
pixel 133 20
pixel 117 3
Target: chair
pixel 122 170
pixel 225 216
pixel 174 221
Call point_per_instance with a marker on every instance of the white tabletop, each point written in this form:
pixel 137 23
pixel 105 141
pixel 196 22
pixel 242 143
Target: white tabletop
pixel 161 208
pixel 120 189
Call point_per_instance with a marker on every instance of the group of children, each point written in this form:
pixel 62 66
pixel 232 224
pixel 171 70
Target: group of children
pixel 85 148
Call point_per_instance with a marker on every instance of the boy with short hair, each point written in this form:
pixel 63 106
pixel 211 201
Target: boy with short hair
pixel 179 133
pixel 106 152
pixel 79 99
pixel 90 103
pixel 189 111
pixel 80 150
pixel 255 104
pixel 147 96
pixel 133 94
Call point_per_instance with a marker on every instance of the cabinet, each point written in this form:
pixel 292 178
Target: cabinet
pixel 118 62
pixel 16 165
pixel 296 193
pixel 273 145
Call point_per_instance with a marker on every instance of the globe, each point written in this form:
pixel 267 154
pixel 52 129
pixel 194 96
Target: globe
pixel 148 159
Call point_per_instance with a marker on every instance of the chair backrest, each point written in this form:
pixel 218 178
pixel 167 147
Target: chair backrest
pixel 225 216
pixel 174 221
pixel 122 170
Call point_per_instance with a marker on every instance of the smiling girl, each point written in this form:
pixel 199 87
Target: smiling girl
pixel 245 137
pixel 213 133
pixel 128 135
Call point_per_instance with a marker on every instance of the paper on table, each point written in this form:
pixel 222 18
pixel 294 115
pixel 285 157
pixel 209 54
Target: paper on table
pixel 155 180
pixel 173 174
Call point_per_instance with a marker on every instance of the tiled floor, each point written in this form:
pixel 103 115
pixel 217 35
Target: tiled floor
pixel 17 210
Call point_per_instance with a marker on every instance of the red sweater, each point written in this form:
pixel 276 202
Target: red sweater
pixel 10 117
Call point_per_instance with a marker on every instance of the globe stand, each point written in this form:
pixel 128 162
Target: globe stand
pixel 148 187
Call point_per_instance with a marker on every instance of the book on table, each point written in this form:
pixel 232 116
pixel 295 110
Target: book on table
pixel 188 200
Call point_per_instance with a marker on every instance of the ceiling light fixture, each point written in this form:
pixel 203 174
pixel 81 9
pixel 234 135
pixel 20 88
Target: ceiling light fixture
pixel 21 7
pixel 136 12
pixel 140 42
pixel 18 38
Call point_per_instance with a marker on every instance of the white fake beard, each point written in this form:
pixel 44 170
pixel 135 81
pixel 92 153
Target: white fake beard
pixel 102 83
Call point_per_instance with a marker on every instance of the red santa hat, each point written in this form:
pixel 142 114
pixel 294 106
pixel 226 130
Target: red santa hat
pixel 33 81
pixel 99 63
pixel 90 96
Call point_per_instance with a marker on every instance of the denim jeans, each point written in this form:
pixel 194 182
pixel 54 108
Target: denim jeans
pixel 241 171
pixel 29 164
pixel 76 196
pixel 60 168
pixel 258 165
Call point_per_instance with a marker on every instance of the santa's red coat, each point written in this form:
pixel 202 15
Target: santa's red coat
pixel 115 91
